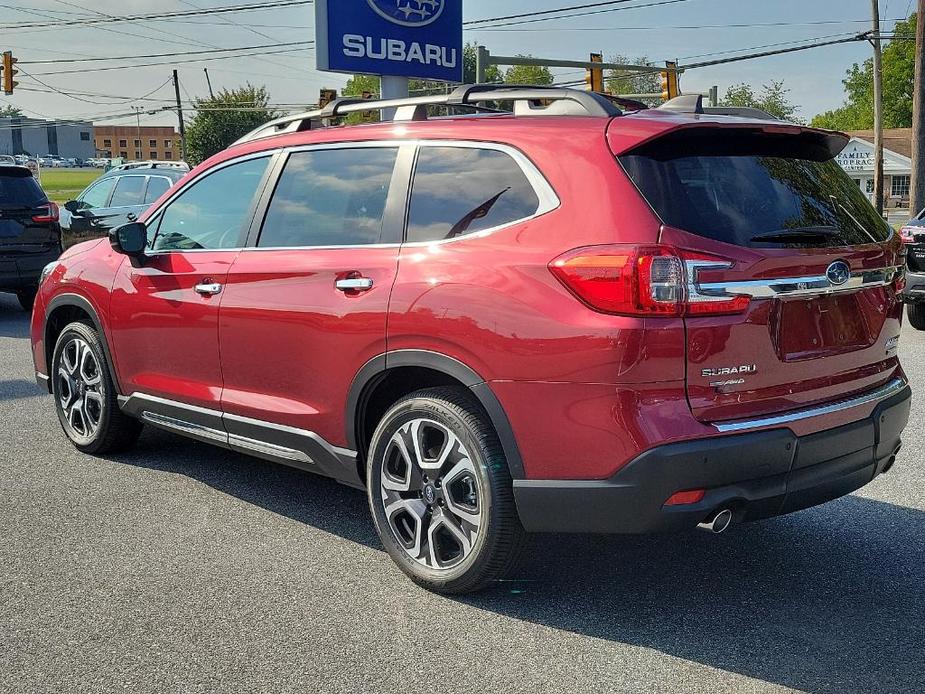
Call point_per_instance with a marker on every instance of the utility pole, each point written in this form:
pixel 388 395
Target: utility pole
pixel 176 87
pixel 208 82
pixel 918 115
pixel 878 110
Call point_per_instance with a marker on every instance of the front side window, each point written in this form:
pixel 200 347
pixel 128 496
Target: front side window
pixel 333 197
pixel 459 190
pixel 129 191
pixel 97 195
pixel 212 212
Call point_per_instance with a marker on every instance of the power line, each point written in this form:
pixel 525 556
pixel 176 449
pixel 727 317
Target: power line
pixel 144 56
pixel 156 15
pixel 770 45
pixel 744 25
pixel 781 51
pixel 172 62
pixel 570 16
pixel 542 12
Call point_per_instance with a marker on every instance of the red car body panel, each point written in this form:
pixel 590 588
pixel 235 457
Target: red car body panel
pixel 291 342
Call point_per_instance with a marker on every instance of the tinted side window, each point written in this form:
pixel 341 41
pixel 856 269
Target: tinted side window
pixel 129 190
pixel 212 212
pixel 333 197
pixel 458 190
pixel 157 186
pixel 98 195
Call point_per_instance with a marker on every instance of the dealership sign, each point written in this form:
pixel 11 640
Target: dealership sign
pixel 404 38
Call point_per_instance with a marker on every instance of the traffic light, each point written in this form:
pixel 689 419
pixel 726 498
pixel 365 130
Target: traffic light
pixel 326 96
pixel 670 87
pixel 594 77
pixel 8 72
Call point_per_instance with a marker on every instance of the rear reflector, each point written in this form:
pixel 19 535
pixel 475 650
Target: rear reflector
pixel 631 280
pixel 49 214
pixel 690 496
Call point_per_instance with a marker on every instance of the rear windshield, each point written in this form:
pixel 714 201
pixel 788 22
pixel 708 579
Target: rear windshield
pixel 16 189
pixel 733 189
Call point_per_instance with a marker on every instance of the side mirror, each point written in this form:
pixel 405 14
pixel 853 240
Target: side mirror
pixel 73 206
pixel 131 240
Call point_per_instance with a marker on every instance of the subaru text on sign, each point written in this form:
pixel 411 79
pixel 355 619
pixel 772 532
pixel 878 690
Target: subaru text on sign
pixel 405 38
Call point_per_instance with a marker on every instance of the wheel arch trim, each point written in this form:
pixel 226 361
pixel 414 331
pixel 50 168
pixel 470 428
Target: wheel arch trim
pixel 372 372
pixel 81 302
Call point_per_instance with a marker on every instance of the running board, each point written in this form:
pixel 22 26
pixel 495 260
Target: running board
pixel 290 446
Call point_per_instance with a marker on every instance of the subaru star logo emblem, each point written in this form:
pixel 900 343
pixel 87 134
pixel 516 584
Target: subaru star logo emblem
pixel 408 13
pixel 838 273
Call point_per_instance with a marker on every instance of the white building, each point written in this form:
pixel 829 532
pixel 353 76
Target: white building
pixel 857 159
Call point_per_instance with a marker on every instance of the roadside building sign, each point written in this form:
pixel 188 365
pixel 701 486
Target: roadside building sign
pixel 402 38
pixel 33 166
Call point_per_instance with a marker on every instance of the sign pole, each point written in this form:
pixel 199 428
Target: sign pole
pixel 392 87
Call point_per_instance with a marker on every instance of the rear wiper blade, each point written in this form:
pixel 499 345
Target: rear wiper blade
pixel 822 233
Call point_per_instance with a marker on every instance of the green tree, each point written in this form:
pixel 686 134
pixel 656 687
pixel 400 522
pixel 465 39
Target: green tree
pixel 492 72
pixel 528 74
pixel 9 111
pixel 629 82
pixel 857 112
pixel 773 99
pixel 221 120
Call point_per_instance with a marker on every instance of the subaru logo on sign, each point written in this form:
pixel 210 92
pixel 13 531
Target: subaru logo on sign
pixel 409 13
pixel 838 273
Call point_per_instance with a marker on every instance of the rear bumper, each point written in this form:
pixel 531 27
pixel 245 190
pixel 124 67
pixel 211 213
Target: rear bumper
pixel 756 474
pixel 22 270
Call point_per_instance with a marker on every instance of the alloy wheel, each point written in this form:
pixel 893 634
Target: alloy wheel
pixel 431 494
pixel 80 389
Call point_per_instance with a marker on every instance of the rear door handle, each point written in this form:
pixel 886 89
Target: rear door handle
pixel 208 288
pixel 354 284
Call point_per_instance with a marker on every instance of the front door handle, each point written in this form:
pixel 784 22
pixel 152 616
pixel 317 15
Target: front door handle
pixel 354 284
pixel 208 288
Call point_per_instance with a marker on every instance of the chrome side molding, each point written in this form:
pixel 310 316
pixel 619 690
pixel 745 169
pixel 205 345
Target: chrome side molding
pixel 781 287
pixel 883 392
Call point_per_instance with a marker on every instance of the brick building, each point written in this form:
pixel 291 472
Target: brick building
pixel 134 143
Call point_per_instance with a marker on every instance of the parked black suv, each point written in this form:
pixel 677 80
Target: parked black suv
pixel 117 197
pixel 913 236
pixel 30 236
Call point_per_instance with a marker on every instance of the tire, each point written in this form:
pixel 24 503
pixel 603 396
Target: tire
pixel 444 509
pixel 85 396
pixel 27 298
pixel 916 314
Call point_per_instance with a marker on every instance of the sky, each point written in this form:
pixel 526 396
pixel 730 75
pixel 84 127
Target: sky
pixel 658 32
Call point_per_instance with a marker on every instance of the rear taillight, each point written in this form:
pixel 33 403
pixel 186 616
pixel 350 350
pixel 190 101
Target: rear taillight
pixel 631 280
pixel 48 214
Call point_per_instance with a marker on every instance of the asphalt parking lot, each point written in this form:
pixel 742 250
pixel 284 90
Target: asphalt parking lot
pixel 178 567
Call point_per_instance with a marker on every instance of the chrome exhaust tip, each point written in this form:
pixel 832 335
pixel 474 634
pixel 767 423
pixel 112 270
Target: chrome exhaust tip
pixel 717 522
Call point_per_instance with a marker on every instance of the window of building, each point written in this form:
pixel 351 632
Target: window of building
pixel 123 154
pixel 137 154
pixel 168 144
pixel 459 190
pixel 84 136
pixel 152 144
pixel 152 155
pixel 129 191
pixel 168 155
pixel 137 143
pixel 107 144
pixel 213 211
pixel 333 197
pixel 123 143
pixel 900 186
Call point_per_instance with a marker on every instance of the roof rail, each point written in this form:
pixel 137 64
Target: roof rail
pixel 470 96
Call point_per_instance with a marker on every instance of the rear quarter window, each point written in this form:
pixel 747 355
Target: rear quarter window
pixel 732 188
pixel 460 190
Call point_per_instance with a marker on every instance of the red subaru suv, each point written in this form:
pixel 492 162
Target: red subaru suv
pixel 565 317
